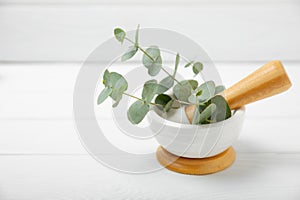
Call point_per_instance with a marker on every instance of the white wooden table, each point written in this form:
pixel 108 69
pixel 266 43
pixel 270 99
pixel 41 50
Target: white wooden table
pixel 43 42
pixel 41 156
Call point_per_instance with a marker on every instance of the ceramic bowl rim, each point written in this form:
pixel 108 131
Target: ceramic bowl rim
pixel 236 114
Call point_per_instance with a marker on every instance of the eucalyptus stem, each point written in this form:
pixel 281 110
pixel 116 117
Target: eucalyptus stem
pixel 129 40
pixel 138 98
pixel 183 102
pixel 153 104
pixel 132 96
pixel 149 56
pixel 170 75
pixel 145 52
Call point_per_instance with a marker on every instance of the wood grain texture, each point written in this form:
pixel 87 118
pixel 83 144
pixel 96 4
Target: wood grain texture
pixel 195 166
pixel 228 31
pixel 269 80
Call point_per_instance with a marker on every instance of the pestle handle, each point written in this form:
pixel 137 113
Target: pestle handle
pixel 268 80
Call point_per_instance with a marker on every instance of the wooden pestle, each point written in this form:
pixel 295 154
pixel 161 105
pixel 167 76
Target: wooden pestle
pixel 268 80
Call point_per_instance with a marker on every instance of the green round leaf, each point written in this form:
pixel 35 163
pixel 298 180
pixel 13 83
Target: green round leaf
pixel 223 110
pixel 192 99
pixel 152 60
pixel 207 113
pixel 193 83
pixel 197 67
pixel 117 83
pixel 137 112
pixel 168 106
pixel 149 90
pixel 106 78
pixel 188 64
pixel 165 102
pixel 103 95
pixel 219 89
pixel 137 36
pixel 119 34
pixel 176 64
pixel 165 84
pixel 117 93
pixel 183 90
pixel 162 99
pixel 205 91
pixel 129 54
pixel 196 117
pixel 199 93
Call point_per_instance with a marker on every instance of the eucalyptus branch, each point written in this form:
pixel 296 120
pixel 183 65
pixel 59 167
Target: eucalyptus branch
pixel 183 102
pixel 151 58
pixel 170 75
pixel 211 107
pixel 129 40
pixel 153 104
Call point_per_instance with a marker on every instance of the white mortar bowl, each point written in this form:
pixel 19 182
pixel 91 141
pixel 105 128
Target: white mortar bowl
pixel 176 135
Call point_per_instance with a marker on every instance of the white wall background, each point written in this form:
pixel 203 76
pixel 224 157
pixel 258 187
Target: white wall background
pixel 230 30
pixel 42 45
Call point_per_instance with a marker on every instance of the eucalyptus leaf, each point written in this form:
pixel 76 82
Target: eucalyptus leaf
pixel 188 64
pixel 117 83
pixel 193 83
pixel 104 94
pixel 137 112
pixel 110 79
pixel 219 89
pixel 165 102
pixel 116 79
pixel 136 44
pixel 223 110
pixel 168 106
pixel 165 84
pixel 119 34
pixel 106 78
pixel 199 93
pixel 183 90
pixel 197 67
pixel 205 91
pixel 129 54
pixel 162 99
pixel 152 60
pixel 192 99
pixel 149 90
pixel 117 92
pixel 176 64
pixel 207 113
pixel 196 117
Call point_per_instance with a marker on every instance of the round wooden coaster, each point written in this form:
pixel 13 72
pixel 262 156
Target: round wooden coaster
pixel 195 166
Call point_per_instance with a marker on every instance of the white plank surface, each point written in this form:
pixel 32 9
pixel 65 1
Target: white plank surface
pixel 228 31
pixel 41 156
pixel 54 137
pixel 137 2
pixel 259 176
pixel 45 91
pixel 36 102
pixel 43 43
